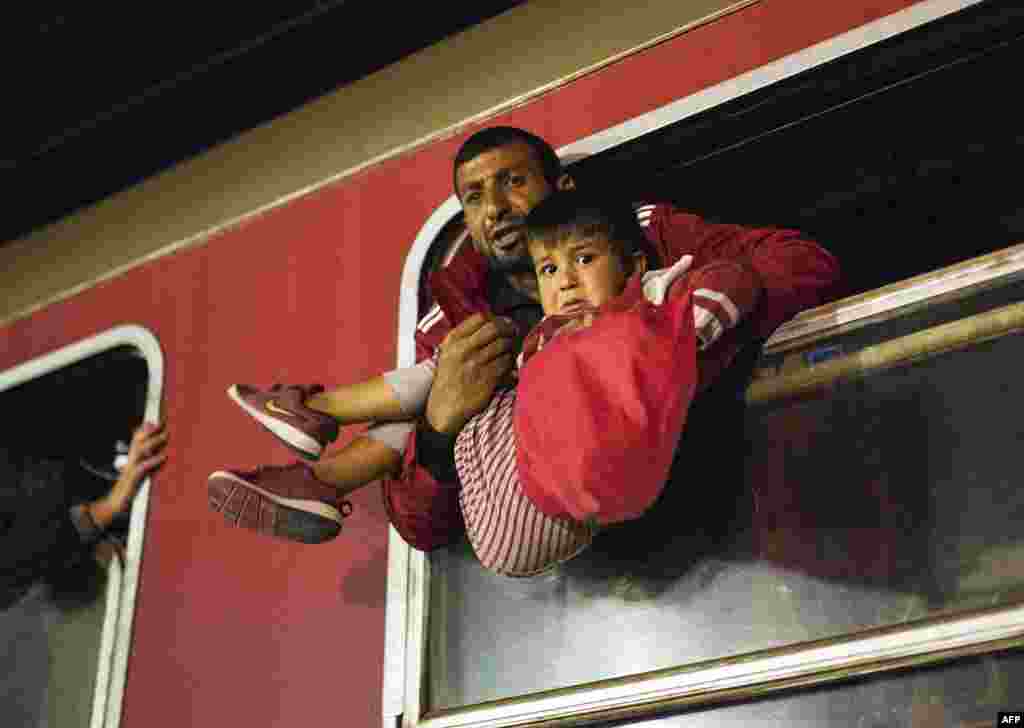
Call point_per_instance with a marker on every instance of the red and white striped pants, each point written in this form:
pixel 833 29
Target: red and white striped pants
pixel 508 533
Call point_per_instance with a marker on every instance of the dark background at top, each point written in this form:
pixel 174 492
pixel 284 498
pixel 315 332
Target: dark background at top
pixel 98 98
pixel 900 158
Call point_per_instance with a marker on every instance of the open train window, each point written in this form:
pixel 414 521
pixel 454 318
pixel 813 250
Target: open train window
pixel 889 145
pixel 81 404
pixel 895 157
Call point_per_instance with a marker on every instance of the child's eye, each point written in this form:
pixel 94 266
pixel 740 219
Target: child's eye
pixel 585 258
pixel 548 269
pixel 516 180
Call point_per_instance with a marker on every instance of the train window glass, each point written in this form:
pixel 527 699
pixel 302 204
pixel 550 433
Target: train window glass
pixel 733 591
pixel 878 491
pixel 78 407
pixel 886 497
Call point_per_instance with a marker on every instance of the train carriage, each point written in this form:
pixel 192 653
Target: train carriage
pixel 874 540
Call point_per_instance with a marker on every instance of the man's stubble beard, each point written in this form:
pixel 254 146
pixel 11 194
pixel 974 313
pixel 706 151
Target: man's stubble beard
pixel 508 266
pixel 518 272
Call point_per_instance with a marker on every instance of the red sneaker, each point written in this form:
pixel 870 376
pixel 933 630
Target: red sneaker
pixel 288 502
pixel 282 411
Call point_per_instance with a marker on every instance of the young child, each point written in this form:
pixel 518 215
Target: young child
pixel 605 381
pixel 578 272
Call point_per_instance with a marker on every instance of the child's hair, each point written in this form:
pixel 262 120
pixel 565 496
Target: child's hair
pixel 572 213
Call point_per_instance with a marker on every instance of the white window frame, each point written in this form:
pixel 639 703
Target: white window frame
pixel 123 578
pixel 916 643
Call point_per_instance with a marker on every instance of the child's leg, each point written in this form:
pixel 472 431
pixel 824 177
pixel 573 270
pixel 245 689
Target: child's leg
pixel 373 399
pixel 397 395
pixel 362 461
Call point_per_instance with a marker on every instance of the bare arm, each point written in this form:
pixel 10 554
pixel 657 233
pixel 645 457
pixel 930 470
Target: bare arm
pixel 144 456
pixel 367 401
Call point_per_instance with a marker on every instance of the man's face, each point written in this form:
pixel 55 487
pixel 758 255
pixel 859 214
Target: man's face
pixel 576 272
pixel 497 189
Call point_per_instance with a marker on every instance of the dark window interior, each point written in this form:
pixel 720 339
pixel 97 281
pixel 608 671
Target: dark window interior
pixel 80 411
pixel 900 158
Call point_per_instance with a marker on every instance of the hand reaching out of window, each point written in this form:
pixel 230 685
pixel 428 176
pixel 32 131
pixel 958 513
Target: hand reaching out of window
pixel 145 455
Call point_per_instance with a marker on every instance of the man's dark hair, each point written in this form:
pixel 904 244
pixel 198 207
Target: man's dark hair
pixel 500 136
pixel 575 213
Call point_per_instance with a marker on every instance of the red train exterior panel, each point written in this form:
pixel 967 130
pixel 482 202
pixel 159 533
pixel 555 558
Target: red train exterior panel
pixel 234 629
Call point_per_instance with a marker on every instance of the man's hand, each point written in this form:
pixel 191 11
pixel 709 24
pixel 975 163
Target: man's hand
pixel 474 358
pixel 144 456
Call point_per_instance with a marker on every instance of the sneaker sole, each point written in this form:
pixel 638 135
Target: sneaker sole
pixel 290 435
pixel 289 525
pixel 315 508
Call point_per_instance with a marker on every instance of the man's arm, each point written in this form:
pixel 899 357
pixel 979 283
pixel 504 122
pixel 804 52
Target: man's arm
pixel 474 358
pixel 734 265
pixel 42 531
pixel 435 452
pixel 145 454
pixel 422 502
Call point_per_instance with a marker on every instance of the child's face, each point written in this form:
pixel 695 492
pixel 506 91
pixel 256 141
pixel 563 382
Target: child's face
pixel 577 271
